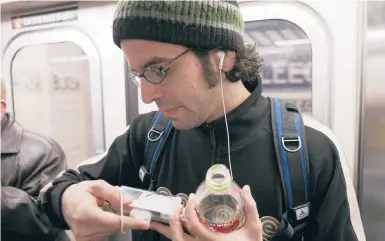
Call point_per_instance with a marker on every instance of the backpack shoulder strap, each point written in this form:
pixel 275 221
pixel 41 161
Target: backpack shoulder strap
pixel 156 138
pixel 290 147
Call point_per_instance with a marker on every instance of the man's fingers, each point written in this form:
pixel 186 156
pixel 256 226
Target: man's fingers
pixel 102 190
pixel 163 229
pixel 132 223
pixel 167 232
pixel 176 225
pixel 250 210
pixel 113 221
pixel 175 231
pixel 194 226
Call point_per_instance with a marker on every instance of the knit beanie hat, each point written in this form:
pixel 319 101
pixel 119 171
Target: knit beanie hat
pixel 194 23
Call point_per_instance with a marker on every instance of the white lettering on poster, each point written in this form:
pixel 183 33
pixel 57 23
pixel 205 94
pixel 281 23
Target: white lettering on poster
pixel 287 73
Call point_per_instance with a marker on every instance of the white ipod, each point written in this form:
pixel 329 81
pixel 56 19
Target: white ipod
pixel 150 205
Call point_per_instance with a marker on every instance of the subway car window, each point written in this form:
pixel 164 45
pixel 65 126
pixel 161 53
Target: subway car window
pixel 287 60
pixel 51 90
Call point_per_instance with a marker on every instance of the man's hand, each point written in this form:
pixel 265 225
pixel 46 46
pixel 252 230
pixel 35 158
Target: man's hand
pixel 81 207
pixel 251 231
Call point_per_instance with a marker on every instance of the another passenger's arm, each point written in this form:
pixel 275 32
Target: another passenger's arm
pixel 19 212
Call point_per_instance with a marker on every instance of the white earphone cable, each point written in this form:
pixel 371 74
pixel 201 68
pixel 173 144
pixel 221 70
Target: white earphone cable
pixel 122 231
pixel 227 126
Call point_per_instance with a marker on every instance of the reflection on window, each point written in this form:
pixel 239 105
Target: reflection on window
pixel 287 64
pixel 51 89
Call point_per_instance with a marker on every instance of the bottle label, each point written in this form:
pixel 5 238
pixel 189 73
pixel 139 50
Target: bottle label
pixel 226 227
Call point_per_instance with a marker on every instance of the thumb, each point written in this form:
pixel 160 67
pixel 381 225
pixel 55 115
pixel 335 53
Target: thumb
pixel 250 209
pixel 103 190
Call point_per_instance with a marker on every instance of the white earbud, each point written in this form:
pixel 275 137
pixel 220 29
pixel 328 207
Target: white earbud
pixel 221 56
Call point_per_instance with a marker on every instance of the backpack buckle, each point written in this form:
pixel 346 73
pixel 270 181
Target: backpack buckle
pixel 154 135
pixel 294 221
pixel 143 174
pixel 292 141
pixel 300 212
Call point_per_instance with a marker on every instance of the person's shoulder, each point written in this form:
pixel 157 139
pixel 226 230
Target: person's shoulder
pixel 138 126
pixel 320 135
pixel 40 150
pixel 324 148
pixel 39 142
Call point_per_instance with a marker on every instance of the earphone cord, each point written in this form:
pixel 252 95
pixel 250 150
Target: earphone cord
pixel 121 211
pixel 227 126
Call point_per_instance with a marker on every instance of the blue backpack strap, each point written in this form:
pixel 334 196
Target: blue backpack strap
pixel 290 146
pixel 155 140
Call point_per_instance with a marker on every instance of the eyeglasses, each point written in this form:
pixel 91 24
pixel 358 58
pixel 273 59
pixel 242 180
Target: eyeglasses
pixel 154 74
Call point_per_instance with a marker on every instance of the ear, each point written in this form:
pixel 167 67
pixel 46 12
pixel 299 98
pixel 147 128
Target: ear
pixel 3 104
pixel 228 61
pixel 3 108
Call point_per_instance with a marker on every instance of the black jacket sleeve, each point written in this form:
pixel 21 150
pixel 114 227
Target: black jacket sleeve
pixel 19 212
pixel 118 166
pixel 334 212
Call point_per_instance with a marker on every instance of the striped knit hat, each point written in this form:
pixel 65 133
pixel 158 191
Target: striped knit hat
pixel 195 23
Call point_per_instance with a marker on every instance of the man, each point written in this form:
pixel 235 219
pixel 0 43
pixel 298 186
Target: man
pixel 173 49
pixel 28 163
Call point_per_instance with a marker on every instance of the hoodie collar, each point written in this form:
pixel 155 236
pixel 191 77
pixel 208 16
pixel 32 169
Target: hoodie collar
pixel 241 120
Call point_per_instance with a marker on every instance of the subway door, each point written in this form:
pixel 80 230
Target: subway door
pixel 119 105
pixel 55 81
pixel 297 47
pixel 372 133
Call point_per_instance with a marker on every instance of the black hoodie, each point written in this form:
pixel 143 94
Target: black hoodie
pixel 334 213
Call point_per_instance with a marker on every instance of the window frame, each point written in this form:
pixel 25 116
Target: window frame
pixel 58 35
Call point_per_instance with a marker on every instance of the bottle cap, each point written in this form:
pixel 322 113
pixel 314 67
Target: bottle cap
pixel 218 178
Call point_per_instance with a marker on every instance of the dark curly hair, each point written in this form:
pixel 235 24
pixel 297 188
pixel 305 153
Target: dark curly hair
pixel 247 66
